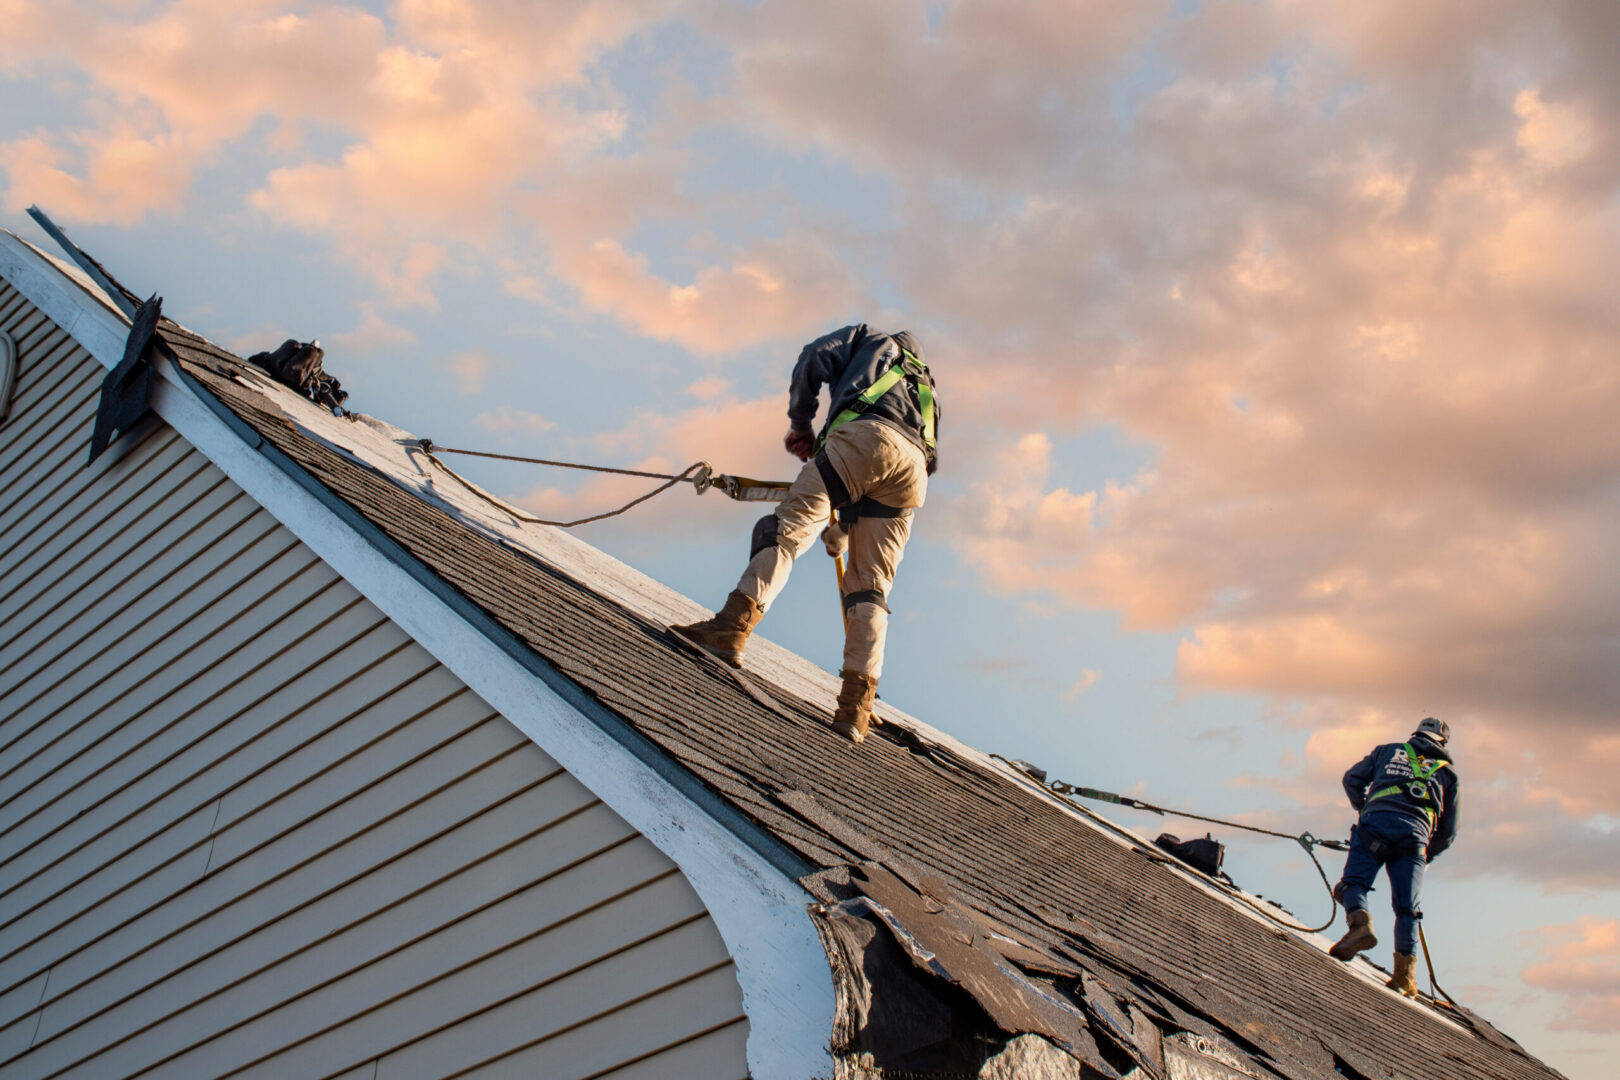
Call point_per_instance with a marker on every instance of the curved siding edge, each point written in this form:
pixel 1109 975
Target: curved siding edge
pixel 758 908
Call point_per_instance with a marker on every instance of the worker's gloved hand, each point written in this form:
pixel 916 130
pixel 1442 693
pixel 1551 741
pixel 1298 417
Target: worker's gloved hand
pixel 801 443
pixel 836 539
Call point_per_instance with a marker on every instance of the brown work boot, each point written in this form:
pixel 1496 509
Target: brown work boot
pixel 726 632
pixel 1403 980
pixel 1359 938
pixel 854 715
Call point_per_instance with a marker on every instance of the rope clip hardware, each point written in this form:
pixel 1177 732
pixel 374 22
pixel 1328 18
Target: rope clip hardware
pixel 1309 842
pixel 1062 788
pixel 705 478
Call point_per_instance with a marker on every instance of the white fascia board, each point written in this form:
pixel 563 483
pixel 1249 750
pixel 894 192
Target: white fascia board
pixel 760 912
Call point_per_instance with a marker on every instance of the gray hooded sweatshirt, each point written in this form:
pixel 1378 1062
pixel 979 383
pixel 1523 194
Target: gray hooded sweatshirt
pixel 849 361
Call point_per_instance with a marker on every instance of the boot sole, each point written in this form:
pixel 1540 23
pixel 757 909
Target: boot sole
pixel 850 732
pixel 1350 948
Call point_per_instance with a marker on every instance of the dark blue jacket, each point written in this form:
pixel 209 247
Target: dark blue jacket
pixel 849 361
pixel 1386 766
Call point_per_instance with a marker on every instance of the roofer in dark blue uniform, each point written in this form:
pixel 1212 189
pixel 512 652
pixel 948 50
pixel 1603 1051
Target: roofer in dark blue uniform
pixel 1408 795
pixel 871 463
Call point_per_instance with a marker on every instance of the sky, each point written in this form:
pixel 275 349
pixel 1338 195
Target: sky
pixel 1276 345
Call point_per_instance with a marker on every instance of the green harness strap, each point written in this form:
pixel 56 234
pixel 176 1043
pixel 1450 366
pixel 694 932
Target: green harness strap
pixel 908 366
pixel 1419 786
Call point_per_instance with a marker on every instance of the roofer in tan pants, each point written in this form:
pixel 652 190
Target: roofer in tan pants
pixel 875 456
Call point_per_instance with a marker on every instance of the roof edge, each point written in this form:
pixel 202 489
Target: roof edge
pixel 746 878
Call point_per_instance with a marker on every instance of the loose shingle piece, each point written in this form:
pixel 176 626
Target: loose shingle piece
pixel 976 925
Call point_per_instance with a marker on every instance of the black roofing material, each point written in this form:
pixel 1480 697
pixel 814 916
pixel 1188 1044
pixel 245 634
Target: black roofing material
pixel 1154 949
pixel 944 940
pixel 892 1013
pixel 297 364
pixel 124 390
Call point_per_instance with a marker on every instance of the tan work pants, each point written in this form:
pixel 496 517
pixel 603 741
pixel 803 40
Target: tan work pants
pixel 874 461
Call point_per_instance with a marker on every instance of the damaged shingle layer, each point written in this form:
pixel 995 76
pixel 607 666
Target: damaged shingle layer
pixel 1131 943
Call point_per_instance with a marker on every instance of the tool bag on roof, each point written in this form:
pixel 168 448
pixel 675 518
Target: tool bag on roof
pixel 298 365
pixel 1204 854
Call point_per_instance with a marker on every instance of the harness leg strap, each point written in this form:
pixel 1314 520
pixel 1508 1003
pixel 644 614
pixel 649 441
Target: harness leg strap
pixel 836 491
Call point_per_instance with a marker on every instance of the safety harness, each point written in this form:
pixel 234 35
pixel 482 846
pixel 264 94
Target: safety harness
pixel 1418 788
pixel 909 366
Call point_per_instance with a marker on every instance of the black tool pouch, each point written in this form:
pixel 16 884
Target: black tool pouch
pixel 1204 854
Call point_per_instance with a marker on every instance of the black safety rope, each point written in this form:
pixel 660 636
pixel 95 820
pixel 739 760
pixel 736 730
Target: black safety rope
pixel 697 473
pixel 1304 840
pixel 430 447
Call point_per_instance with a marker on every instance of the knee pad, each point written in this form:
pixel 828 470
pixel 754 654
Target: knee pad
pixel 865 596
pixel 764 536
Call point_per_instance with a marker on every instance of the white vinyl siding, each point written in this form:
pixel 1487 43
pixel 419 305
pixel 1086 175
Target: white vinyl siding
pixel 248 827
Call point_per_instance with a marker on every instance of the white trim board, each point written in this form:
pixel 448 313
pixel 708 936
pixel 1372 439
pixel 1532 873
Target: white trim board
pixel 760 912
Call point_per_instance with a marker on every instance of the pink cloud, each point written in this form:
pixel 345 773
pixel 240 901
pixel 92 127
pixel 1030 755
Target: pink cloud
pixel 989 92
pixel 466 148
pixel 1088 678
pixel 1015 530
pixel 741 437
pixel 453 112
pixel 469 369
pixel 431 173
pixel 1385 38
pixel 543 44
pixel 1583 967
pixel 177 83
pixel 373 332
pixel 1368 334
pixel 507 419
pixel 709 388
pixel 782 288
pixel 122 175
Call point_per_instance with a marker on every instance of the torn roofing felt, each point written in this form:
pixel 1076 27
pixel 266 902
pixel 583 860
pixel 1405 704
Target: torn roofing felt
pixel 959 904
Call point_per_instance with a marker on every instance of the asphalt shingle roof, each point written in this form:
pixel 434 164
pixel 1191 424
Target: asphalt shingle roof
pixel 1080 900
